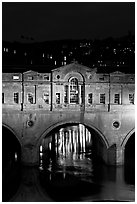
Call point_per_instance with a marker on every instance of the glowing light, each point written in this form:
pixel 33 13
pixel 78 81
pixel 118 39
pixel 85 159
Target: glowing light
pixel 16 156
pixel 41 148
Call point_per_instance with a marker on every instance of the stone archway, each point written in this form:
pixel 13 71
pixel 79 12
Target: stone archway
pixel 11 145
pixel 102 144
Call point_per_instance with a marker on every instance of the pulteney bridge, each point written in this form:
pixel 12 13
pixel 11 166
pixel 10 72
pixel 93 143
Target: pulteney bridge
pixel 34 104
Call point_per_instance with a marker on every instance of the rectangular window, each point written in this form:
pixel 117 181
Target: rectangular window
pixel 102 98
pixel 46 77
pixel 2 97
pixel 16 77
pixel 131 98
pixel 82 94
pixel 57 98
pixel 46 98
pixel 117 99
pixel 16 97
pixel 30 77
pixel 30 98
pixel 90 98
pixel 66 94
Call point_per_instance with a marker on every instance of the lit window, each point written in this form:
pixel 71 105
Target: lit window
pixel 4 49
pixel 14 51
pixel 46 98
pixel 25 54
pixel 55 62
pixel 74 91
pixel 30 77
pixel 57 98
pixel 102 98
pixel 2 97
pixel 7 50
pixel 90 98
pixel 66 94
pixel 43 55
pixel 16 97
pixel 46 77
pixel 30 98
pixel 131 98
pixel 15 77
pixel 117 99
pixel 64 63
pixel 65 58
pixel 50 56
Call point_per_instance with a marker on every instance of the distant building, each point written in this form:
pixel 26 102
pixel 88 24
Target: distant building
pixel 70 87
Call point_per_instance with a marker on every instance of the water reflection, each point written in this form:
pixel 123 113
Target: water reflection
pixel 67 172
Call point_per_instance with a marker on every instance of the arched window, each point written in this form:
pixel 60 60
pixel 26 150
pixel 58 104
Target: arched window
pixel 74 92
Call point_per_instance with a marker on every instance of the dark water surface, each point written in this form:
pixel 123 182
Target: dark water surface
pixel 68 171
pixel 71 178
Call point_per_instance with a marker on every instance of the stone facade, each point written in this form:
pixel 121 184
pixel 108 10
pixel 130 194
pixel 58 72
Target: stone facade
pixel 35 103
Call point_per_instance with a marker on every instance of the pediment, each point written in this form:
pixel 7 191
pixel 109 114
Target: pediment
pixel 74 67
pixel 117 73
pixel 30 72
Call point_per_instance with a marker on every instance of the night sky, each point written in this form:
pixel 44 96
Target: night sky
pixel 44 21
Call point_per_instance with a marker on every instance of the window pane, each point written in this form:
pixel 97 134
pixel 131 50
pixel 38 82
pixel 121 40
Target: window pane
pixel 30 98
pixel 90 98
pixel 117 99
pixel 2 97
pixel 82 94
pixel 102 98
pixel 74 94
pixel 131 98
pixel 57 98
pixel 66 94
pixel 46 97
pixel 16 97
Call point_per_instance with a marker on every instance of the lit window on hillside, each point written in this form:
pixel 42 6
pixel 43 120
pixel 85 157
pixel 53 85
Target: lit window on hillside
pixel 57 98
pixel 102 98
pixel 16 77
pixel 46 98
pixel 30 98
pixel 16 97
pixel 46 77
pixel 117 99
pixel 90 98
pixel 131 98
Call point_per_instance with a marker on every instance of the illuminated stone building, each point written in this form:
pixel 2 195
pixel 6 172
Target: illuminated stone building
pixel 73 86
pixel 35 103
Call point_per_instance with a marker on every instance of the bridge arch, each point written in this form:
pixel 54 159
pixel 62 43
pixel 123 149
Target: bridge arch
pixel 13 132
pixel 56 125
pixel 125 140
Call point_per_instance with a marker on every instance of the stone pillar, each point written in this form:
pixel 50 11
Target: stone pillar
pixel 30 155
pixel 119 155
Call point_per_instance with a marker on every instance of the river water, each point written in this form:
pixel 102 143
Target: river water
pixel 68 173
